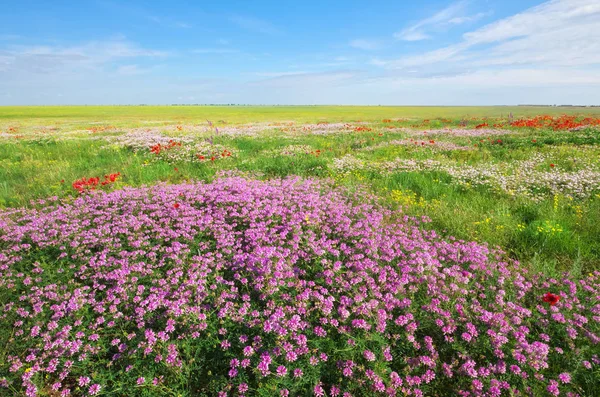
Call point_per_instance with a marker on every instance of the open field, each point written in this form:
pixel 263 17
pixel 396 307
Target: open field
pixel 252 250
pixel 246 114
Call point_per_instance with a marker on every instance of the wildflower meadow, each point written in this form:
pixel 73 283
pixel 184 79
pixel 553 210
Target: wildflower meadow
pixel 299 251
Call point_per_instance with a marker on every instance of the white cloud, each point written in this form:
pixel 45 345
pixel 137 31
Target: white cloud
pixel 411 35
pixel 556 33
pixel 469 18
pixel 364 44
pixel 20 60
pixel 454 14
pixel 546 54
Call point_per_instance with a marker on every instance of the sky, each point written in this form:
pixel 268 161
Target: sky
pixel 392 52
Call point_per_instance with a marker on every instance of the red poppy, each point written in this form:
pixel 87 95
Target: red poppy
pixel 551 298
pixel 176 205
pixel 551 165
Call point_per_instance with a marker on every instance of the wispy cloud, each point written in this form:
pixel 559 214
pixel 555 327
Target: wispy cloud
pixel 469 18
pixel 365 44
pixel 93 54
pixel 454 14
pixel 254 24
pixel 555 33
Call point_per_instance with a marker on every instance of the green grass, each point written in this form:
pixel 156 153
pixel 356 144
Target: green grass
pixel 245 114
pixel 47 166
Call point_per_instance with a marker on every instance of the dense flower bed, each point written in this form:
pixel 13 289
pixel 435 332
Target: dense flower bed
pixel 288 287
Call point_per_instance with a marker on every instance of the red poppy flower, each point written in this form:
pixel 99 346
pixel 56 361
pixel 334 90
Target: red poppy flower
pixel 551 298
pixel 551 165
pixel 176 205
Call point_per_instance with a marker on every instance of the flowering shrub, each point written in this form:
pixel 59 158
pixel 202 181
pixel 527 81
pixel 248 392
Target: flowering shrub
pixel 288 287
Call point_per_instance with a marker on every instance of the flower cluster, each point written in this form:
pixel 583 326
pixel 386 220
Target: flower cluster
pixel 293 150
pixel 564 122
pixel 283 288
pixel 525 178
pixel 87 184
pixel 146 139
pixel 156 149
pixel 201 151
pixel 464 132
pixel 427 144
pixel 520 178
pixel 349 163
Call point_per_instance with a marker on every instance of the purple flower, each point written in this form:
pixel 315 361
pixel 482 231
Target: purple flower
pixel 553 388
pixel 281 370
pixel 564 377
pixel 83 381
pixel 94 389
pixel 369 355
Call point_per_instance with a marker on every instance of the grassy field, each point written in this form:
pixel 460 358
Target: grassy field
pixel 119 115
pixel 55 146
pixel 504 177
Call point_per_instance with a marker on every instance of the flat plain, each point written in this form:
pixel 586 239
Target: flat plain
pixel 197 250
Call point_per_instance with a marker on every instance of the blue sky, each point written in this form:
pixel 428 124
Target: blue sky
pixel 465 52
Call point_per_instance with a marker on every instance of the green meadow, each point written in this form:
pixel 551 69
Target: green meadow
pixel 245 114
pixel 43 150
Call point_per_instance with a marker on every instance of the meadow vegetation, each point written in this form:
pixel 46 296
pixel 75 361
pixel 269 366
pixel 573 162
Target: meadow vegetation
pixel 299 251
